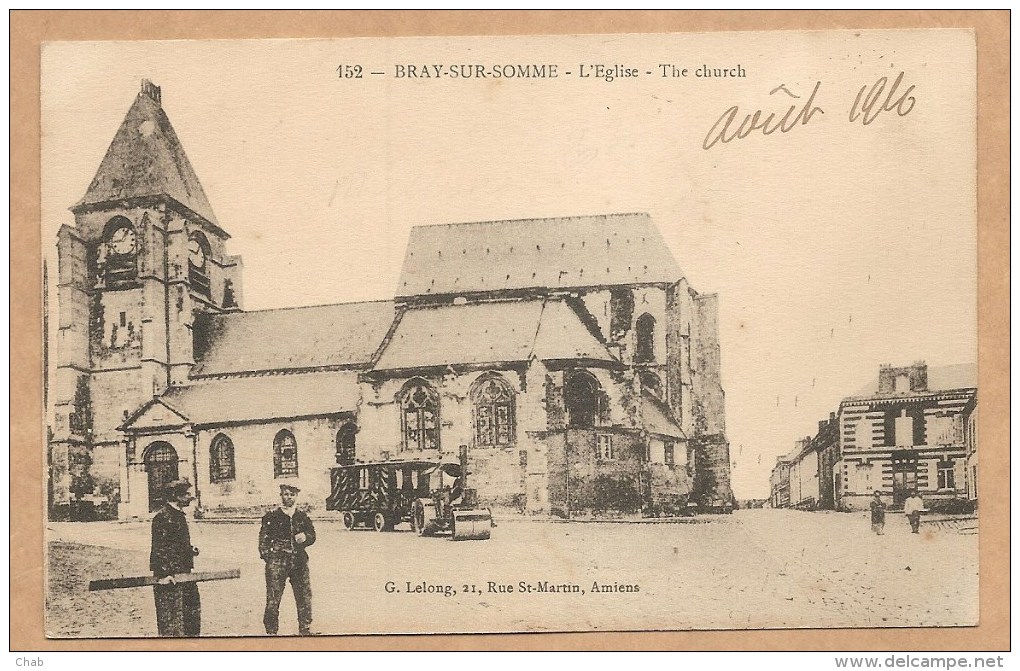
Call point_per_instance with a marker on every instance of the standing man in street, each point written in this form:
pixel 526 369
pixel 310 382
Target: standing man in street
pixel 178 607
pixel 878 514
pixel 912 508
pixel 285 533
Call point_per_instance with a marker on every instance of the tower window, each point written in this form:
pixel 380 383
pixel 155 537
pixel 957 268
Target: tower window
pixel 118 255
pixel 198 261
pixel 621 306
pixel 645 350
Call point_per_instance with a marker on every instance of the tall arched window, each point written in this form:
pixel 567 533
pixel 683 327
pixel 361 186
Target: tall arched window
pixel 645 350
pixel 651 382
pixel 582 399
pixel 118 258
pixel 345 444
pixel 495 423
pixel 198 261
pixel 419 406
pixel 221 459
pixel 285 464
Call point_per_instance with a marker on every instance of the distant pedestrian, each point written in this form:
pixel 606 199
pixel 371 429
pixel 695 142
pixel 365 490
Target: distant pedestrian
pixel 178 608
pixel 878 514
pixel 912 508
pixel 285 533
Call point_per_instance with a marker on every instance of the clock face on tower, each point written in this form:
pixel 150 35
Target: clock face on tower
pixel 122 241
pixel 196 254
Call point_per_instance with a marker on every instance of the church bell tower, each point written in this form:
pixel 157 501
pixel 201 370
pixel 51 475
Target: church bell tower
pixel 143 261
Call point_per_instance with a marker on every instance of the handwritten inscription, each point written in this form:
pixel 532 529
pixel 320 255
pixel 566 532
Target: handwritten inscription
pixel 868 108
pixel 871 101
pixel 725 128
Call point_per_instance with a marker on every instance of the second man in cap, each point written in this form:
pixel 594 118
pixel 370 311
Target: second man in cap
pixel 285 533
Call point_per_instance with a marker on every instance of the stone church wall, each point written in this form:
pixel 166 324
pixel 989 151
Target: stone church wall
pixel 498 473
pixel 255 487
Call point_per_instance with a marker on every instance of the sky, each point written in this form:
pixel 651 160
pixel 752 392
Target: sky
pixel 833 247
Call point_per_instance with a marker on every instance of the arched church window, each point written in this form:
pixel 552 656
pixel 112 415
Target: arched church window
pixel 582 398
pixel 645 350
pixel 345 444
pixel 118 258
pixel 495 424
pixel 198 261
pixel 419 406
pixel 221 459
pixel 285 462
pixel 621 306
pixel 651 382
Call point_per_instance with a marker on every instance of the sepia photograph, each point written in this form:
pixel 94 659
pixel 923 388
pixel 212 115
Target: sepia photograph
pixel 510 334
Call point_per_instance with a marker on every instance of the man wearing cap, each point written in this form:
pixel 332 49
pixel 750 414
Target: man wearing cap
pixel 178 607
pixel 285 533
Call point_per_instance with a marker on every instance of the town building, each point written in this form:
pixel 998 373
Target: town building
pixel 803 475
pixel 809 470
pixel 912 428
pixel 908 432
pixel 826 445
pixel 970 439
pixel 779 482
pixel 570 355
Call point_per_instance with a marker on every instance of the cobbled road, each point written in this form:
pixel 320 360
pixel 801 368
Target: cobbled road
pixel 753 569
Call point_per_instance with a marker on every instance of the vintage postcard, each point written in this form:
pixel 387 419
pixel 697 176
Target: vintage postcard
pixel 510 334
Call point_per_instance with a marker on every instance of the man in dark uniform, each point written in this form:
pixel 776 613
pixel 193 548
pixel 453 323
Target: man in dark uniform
pixel 178 607
pixel 285 533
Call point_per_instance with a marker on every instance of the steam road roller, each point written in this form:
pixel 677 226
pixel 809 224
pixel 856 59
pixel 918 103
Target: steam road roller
pixel 430 495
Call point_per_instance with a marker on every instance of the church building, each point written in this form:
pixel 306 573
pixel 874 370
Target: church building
pixel 570 355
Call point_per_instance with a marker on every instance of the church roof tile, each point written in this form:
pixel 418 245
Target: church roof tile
pixel 253 399
pixel 489 333
pixel 346 334
pixel 658 418
pixel 562 252
pixel 146 158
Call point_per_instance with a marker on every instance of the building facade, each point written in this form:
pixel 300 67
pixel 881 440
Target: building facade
pixel 908 434
pixel 803 475
pixel 914 428
pixel 826 445
pixel 570 355
pixel 779 482
pixel 810 469
pixel 970 439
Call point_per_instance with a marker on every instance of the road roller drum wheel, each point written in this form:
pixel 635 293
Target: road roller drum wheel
pixel 473 524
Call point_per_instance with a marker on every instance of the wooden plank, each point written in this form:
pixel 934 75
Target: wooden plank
pixel 146 580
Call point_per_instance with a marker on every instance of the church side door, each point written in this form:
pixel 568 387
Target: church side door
pixel 161 465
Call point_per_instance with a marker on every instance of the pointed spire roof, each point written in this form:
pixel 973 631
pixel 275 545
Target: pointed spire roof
pixel 146 159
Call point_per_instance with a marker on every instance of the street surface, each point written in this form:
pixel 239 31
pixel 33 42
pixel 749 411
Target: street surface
pixel 752 569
